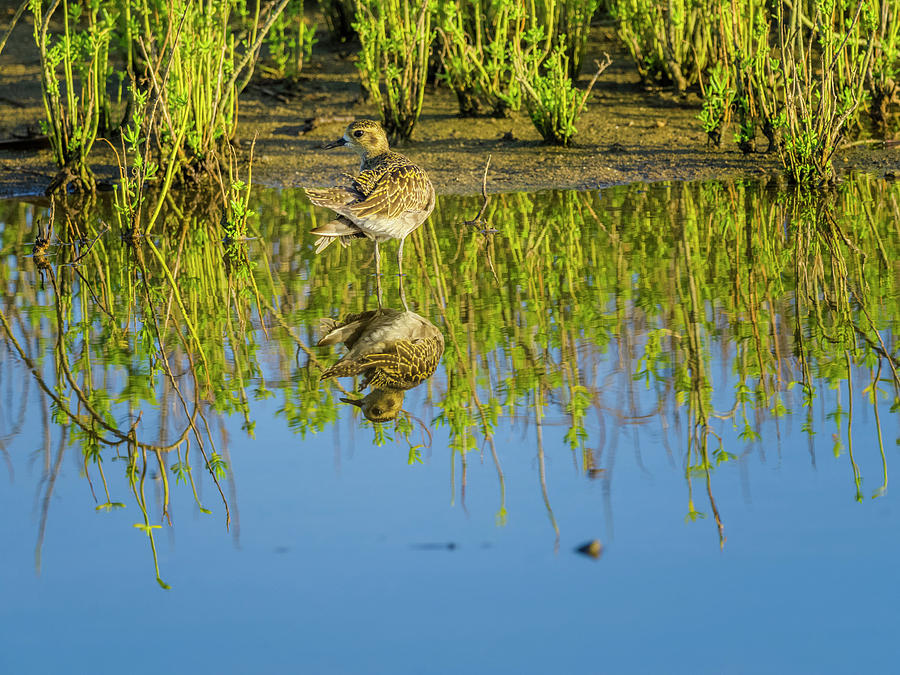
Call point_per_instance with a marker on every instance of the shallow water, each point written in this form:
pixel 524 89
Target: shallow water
pixel 702 377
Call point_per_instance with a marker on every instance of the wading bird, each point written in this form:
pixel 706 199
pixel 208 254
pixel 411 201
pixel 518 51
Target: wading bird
pixel 389 198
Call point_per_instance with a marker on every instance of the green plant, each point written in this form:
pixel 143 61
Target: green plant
pixel 821 88
pixel 883 77
pixel 479 39
pixel 573 19
pixel 339 15
pixel 718 97
pixel 291 39
pixel 477 44
pixel 131 190
pixel 800 72
pixel 196 68
pixel 187 54
pixel 553 103
pixel 395 38
pixel 459 55
pixel 74 72
pixel 673 40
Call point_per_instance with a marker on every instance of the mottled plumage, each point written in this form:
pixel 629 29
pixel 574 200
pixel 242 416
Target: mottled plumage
pixel 393 350
pixel 389 198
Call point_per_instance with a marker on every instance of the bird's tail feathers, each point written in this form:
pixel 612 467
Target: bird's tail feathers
pixel 333 332
pixel 347 331
pixel 322 243
pixel 336 228
pixel 340 228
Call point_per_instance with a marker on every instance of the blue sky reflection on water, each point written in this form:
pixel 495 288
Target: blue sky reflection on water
pixel 329 573
pixel 343 558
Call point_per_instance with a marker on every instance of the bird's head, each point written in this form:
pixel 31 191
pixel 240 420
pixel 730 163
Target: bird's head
pixel 381 405
pixel 366 137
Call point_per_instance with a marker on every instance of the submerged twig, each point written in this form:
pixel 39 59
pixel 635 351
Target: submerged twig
pixel 91 245
pixel 478 219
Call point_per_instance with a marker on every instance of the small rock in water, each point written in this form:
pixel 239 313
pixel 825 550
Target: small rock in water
pixel 593 548
pixel 436 546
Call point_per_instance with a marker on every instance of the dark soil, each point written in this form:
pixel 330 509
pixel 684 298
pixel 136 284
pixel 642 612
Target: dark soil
pixel 629 132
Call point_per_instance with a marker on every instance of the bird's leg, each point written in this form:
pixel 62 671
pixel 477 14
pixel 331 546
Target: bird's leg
pixel 378 273
pixel 403 295
pixel 400 266
pixel 377 259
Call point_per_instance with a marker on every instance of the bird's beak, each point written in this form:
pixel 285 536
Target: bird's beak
pixel 335 144
pixel 353 401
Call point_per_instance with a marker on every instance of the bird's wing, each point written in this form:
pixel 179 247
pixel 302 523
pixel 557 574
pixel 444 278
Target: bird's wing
pixel 405 364
pixel 397 190
pixel 333 198
pixel 401 365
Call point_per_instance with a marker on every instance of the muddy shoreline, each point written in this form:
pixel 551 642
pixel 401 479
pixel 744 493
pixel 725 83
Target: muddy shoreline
pixel 629 133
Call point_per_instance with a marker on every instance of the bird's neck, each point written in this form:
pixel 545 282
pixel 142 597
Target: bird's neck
pixel 371 159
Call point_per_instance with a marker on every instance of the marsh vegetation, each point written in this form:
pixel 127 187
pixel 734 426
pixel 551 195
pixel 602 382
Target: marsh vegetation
pixel 797 79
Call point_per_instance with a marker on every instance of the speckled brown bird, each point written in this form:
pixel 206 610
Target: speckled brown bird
pixel 389 198
pixel 393 350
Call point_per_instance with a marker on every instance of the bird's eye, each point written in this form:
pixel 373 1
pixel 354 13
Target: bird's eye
pixel 358 133
pixel 376 411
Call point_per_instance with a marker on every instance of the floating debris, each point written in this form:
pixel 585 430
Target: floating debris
pixel 593 548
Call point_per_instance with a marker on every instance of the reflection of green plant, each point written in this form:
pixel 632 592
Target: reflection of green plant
pixel 236 197
pixel 776 294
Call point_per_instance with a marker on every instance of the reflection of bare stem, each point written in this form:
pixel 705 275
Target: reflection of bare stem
pixel 45 505
pixel 857 477
pixel 137 488
pixel 501 513
pixel 15 427
pixel 538 409
pixel 232 485
pixel 884 472
pixel 168 370
pixel 712 501
pixel 47 390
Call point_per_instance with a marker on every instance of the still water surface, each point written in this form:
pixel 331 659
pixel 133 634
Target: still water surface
pixel 701 377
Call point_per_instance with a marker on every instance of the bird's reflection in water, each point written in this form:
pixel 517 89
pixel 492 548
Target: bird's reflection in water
pixel 394 351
